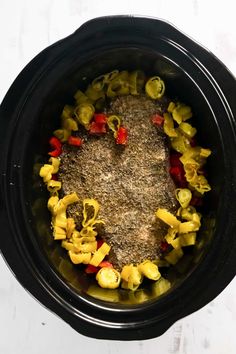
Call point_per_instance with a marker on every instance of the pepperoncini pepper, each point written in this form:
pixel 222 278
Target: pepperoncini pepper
pixel 155 87
pixel 169 126
pixel 184 196
pixel 108 278
pixel 84 113
pixel 100 254
pixel 149 270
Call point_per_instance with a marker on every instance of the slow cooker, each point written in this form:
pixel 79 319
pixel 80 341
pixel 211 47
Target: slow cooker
pixel 29 113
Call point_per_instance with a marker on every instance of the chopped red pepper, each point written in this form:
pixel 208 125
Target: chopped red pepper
pixel 164 246
pixel 157 120
pixel 174 159
pixel 196 201
pixel 100 118
pixel 90 269
pixel 54 177
pixel 177 170
pixel 99 243
pixel 75 141
pixel 105 264
pixel 56 145
pixel 178 175
pixel 97 128
pixel 122 136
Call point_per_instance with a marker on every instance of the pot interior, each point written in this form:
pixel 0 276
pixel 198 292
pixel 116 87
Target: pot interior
pixel 180 84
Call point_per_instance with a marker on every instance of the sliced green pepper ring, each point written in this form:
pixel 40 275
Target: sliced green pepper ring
pixel 108 278
pixel 84 114
pixel 155 87
pixel 114 123
pixel 136 80
pixel 98 83
pixel 110 76
pixel 119 85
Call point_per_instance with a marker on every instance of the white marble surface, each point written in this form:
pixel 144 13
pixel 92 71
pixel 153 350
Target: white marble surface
pixel 28 26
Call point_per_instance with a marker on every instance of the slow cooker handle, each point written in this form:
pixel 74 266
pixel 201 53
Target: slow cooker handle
pixel 146 24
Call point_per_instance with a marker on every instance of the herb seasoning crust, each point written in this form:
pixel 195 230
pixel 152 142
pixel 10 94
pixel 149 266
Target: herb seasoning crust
pixel 129 183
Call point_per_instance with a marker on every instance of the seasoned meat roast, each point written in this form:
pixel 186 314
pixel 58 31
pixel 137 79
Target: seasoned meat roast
pixel 129 183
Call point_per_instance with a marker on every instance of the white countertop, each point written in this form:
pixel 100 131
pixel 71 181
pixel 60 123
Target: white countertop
pixel 27 27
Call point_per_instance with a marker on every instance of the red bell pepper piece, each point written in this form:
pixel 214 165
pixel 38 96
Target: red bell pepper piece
pixel 56 145
pixel 105 264
pixel 99 243
pixel 164 246
pixel 54 177
pixel 97 128
pixel 122 136
pixel 157 120
pixel 75 141
pixel 90 269
pixel 174 159
pixel 178 175
pixel 100 118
